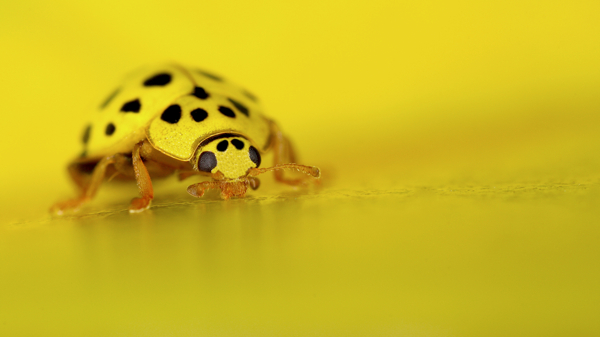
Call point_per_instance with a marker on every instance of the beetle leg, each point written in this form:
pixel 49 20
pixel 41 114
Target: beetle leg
pixel 123 165
pixel 228 189
pixel 144 183
pixel 79 178
pixel 88 187
pixel 197 190
pixel 283 153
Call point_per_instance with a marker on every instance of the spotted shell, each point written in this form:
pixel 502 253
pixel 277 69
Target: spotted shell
pixel 175 108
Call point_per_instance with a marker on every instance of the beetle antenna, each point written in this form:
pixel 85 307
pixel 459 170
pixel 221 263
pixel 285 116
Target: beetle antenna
pixel 310 170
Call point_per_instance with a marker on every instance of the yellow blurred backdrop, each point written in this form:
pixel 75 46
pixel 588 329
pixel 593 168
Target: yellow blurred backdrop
pixel 459 144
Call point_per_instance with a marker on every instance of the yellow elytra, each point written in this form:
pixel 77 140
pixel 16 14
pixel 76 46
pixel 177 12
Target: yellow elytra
pixel 169 119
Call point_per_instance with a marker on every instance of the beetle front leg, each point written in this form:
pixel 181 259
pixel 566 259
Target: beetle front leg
pixel 197 190
pixel 143 180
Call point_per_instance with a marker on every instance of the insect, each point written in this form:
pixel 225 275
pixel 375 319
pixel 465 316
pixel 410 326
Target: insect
pixel 169 119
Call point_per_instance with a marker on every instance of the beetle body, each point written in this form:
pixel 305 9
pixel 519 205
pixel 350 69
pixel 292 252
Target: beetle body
pixel 168 119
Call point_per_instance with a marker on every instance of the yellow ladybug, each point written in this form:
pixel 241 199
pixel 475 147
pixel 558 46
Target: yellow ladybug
pixel 169 118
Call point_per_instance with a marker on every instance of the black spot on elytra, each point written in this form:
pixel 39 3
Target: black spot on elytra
pixel 109 98
pixel 132 106
pixel 160 80
pixel 254 156
pixel 223 145
pixel 86 134
pixel 237 143
pixel 249 95
pixel 207 161
pixel 172 114
pixel 110 129
pixel 226 111
pixel 239 106
pixel 200 93
pixel 211 76
pixel 199 115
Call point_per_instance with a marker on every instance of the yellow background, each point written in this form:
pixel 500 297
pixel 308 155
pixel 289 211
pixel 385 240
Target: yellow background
pixel 459 143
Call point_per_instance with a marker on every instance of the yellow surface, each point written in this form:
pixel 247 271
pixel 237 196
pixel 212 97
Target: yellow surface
pixel 459 145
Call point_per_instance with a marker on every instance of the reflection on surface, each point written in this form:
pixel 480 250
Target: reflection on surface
pixel 341 261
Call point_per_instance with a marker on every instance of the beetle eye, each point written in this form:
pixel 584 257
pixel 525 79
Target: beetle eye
pixel 254 156
pixel 207 161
